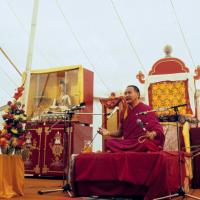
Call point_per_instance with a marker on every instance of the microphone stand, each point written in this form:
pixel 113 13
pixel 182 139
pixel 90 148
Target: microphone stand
pixel 67 145
pixel 68 114
pixel 180 191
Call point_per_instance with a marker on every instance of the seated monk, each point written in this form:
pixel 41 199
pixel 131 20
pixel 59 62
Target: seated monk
pixel 135 136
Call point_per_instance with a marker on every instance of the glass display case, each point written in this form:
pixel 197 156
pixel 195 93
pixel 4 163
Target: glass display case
pixel 53 91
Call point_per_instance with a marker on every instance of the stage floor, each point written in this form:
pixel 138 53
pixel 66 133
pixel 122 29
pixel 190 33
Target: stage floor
pixel 33 185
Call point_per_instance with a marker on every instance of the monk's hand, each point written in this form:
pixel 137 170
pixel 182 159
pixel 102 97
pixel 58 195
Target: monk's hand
pixel 151 134
pixel 103 131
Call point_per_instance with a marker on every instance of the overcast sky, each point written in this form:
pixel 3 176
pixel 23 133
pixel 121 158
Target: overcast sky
pixel 115 39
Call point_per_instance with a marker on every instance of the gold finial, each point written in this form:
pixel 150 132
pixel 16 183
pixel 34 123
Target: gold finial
pixel 168 50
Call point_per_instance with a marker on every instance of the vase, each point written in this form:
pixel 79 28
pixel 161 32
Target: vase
pixel 8 151
pixel 18 151
pixel 3 150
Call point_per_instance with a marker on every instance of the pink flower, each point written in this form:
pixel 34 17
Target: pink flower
pixel 8 136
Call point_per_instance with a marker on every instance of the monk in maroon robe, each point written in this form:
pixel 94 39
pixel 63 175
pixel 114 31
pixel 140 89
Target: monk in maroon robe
pixel 140 133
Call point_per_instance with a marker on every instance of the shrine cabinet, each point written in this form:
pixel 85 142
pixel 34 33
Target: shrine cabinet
pixel 45 147
pixel 55 90
pixel 54 97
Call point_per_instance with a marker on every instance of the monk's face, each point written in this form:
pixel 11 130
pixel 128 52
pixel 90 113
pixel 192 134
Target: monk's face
pixel 131 95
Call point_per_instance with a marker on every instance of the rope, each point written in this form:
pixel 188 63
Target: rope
pixel 79 44
pixel 182 34
pixel 184 39
pixel 127 35
pixel 11 80
pixel 25 31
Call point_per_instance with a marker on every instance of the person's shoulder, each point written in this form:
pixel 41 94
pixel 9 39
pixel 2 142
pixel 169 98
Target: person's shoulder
pixel 145 106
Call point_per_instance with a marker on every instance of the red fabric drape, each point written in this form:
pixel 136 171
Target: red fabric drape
pixel 153 174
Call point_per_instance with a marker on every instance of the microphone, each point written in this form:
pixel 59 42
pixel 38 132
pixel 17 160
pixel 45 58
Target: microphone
pixel 150 111
pixel 113 111
pixel 160 109
pixel 78 107
pixel 181 105
pixel 141 124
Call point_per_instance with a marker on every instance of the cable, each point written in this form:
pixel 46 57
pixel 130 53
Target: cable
pixel 184 40
pixel 79 44
pixel 10 61
pixel 17 18
pixel 7 94
pixel 25 31
pixel 127 35
pixel 182 34
pixel 11 80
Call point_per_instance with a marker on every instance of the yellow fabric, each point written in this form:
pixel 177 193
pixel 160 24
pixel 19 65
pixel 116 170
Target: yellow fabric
pixel 170 123
pixel 81 83
pixel 56 69
pixel 186 137
pixel 43 95
pixel 126 113
pixel 166 94
pixel 11 176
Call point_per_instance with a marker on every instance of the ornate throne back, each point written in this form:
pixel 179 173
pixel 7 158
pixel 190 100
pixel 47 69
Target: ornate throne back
pixel 169 83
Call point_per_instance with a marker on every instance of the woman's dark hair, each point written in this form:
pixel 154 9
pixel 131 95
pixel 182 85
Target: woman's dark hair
pixel 136 89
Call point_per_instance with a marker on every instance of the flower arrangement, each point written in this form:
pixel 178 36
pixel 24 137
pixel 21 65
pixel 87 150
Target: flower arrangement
pixel 12 136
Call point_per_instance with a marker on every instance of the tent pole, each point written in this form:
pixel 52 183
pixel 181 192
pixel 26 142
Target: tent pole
pixel 30 51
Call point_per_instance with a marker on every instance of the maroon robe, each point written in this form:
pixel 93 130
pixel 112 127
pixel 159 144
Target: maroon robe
pixel 132 131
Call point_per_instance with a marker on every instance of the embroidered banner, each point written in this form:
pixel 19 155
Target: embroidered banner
pixel 169 93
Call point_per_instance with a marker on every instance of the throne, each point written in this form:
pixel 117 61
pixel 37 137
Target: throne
pixel 169 83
